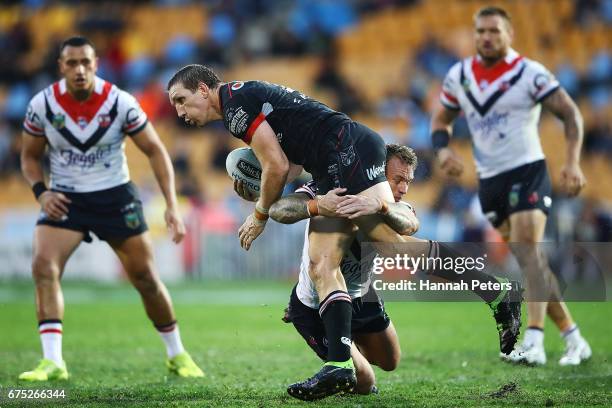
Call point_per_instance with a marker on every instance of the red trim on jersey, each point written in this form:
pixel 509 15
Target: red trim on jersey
pixel 490 74
pixel 76 109
pixel 32 127
pixel 450 97
pixel 254 125
pixel 50 331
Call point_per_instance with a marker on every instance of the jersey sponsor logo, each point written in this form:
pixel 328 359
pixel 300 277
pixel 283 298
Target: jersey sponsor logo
pixel 58 121
pixel 104 120
pixel 333 172
pixel 82 122
pixel 248 169
pixel 237 85
pixel 490 123
pixel 375 171
pixel 76 159
pixel 238 121
pixel 347 156
pixel 547 201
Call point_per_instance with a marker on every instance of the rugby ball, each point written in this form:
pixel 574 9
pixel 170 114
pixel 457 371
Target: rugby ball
pixel 241 164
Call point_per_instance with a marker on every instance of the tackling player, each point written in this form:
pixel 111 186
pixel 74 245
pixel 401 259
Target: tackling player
pixel 501 94
pixel 283 125
pixel 369 319
pixel 83 121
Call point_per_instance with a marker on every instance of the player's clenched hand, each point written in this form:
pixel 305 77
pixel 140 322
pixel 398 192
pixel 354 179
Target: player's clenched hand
pixel 450 163
pixel 572 179
pixel 54 204
pixel 175 224
pixel 250 230
pixel 353 206
pixel 329 202
pixel 241 189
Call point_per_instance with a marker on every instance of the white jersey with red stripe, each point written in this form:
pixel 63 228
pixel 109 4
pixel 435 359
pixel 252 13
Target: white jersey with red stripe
pixel 502 108
pixel 86 139
pixel 357 281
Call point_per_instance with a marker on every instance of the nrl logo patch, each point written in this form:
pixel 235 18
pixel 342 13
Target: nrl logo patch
pixel 132 220
pixel 249 170
pixel 59 121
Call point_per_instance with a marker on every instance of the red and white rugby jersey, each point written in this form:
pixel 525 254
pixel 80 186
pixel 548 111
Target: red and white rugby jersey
pixel 502 108
pixel 86 139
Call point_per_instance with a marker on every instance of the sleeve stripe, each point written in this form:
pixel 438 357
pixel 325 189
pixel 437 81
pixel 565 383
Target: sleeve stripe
pixel 135 124
pixel 449 105
pixel 34 131
pixel 32 126
pixel 547 93
pixel 138 129
pixel 306 190
pixel 450 97
pixel 30 132
pixel 254 125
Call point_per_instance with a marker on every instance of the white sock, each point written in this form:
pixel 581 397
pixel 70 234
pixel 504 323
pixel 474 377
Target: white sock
pixel 571 335
pixel 172 339
pixel 534 336
pixel 51 338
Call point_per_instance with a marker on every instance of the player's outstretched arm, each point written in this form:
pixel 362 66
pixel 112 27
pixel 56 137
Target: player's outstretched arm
pixel 399 216
pixel 441 121
pixel 275 168
pixel 150 144
pixel 563 107
pixel 300 206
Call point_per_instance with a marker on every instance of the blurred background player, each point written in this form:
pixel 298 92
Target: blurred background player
pixel 83 120
pixel 501 94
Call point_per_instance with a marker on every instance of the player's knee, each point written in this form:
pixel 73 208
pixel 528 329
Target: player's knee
pixel 320 270
pixel 44 269
pixel 390 362
pixel 144 280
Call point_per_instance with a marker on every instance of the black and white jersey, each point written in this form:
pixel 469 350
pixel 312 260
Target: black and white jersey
pixel 86 139
pixel 502 108
pixel 299 122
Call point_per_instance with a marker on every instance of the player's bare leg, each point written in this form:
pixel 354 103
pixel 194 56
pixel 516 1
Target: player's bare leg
pixel 505 304
pixel 52 247
pixel 381 349
pixel 366 380
pixel 329 239
pixel 136 255
pixel 527 228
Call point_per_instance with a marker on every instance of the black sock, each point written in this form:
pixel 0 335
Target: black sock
pixel 336 311
pixel 437 249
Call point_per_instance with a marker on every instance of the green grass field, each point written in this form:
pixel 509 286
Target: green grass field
pixel 234 331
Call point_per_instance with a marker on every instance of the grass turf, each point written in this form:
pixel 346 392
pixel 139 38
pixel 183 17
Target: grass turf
pixel 235 333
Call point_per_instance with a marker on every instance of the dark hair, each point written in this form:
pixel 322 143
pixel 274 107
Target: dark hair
pixel 75 42
pixel 404 153
pixel 493 11
pixel 190 77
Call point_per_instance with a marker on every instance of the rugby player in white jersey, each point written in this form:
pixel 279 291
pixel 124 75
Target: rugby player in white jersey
pixel 501 94
pixel 375 338
pixel 82 120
